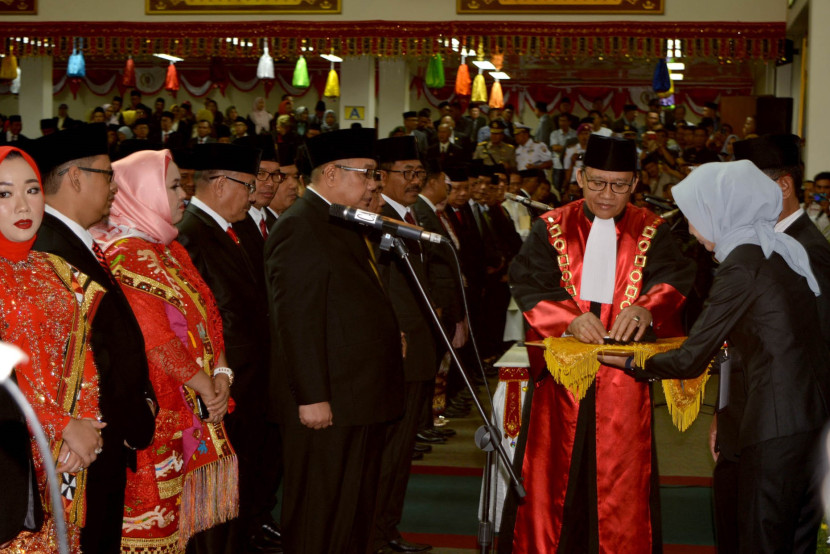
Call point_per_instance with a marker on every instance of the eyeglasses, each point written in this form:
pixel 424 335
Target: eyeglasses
pixel 371 174
pixel 617 187
pixel 108 172
pixel 410 174
pixel 276 177
pixel 250 186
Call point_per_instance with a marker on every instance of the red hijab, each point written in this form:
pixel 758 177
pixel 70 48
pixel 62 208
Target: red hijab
pixel 18 251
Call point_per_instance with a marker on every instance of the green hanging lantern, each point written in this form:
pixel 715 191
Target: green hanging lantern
pixel 435 72
pixel 301 79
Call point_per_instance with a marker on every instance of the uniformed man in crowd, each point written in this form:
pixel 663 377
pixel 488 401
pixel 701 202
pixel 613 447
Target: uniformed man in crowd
pixel 529 153
pixel 496 151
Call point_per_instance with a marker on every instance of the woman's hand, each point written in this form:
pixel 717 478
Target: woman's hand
pixel 83 437
pixel 219 404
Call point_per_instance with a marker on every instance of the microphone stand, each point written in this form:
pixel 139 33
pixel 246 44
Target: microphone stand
pixel 487 436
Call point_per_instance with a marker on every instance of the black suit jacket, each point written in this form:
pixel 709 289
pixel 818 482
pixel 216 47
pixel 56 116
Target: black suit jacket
pixel 253 243
pixel 240 295
pixel 769 314
pixel 335 335
pixel 818 249
pixel 444 283
pixel 453 156
pixel 118 349
pixel 411 310
pixel 472 251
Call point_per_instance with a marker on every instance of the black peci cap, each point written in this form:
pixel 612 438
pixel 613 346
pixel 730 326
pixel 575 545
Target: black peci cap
pixel 395 149
pixel 610 154
pixel 229 157
pixel 770 151
pixel 75 143
pixel 341 145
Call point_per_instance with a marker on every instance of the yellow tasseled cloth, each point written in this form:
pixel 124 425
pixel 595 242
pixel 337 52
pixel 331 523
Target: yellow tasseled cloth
pixel 574 365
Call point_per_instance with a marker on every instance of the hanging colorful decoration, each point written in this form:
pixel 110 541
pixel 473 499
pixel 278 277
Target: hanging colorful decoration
pixel 301 79
pixel 8 68
pixel 463 85
pixel 76 66
pixel 265 68
pixel 332 83
pixel 171 83
pixel 128 80
pixel 663 84
pixel 496 96
pixel 435 72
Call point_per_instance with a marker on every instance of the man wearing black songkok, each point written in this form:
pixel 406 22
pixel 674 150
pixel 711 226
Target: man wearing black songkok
pixel 224 179
pixel 78 185
pixel 593 268
pixel 336 352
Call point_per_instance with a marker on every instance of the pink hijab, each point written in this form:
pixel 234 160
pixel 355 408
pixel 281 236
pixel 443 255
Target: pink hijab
pixel 141 202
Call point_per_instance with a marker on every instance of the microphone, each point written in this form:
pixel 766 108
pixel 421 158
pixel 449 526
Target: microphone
pixel 384 224
pixel 662 203
pixel 528 202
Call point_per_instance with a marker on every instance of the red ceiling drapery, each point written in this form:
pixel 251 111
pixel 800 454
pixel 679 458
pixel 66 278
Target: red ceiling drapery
pixel 725 41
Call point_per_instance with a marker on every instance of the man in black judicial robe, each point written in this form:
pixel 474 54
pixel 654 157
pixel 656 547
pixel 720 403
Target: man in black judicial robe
pixel 336 352
pixel 404 174
pixel 77 185
pixel 224 185
pixel 778 156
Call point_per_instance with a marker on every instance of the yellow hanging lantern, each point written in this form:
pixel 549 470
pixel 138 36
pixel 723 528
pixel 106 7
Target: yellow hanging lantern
pixel 332 83
pixel 8 68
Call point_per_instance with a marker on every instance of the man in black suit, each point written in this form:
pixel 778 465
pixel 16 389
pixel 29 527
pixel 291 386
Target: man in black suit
pixel 253 230
pixel 444 283
pixel 444 151
pixel 288 189
pixel 14 136
pixel 337 352
pixel 778 156
pixel 204 132
pixel 77 183
pixel 404 174
pixel 165 135
pixel 224 189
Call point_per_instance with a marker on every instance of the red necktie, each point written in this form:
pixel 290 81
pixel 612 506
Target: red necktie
pixel 263 228
pixel 232 234
pixel 409 219
pixel 102 260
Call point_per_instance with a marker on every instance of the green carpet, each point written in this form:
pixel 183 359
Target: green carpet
pixel 448 505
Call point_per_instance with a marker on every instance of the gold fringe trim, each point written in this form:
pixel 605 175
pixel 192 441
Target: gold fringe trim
pixel 210 497
pixel 574 365
pixel 683 399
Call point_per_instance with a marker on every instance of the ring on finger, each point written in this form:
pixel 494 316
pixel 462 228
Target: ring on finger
pixel 636 318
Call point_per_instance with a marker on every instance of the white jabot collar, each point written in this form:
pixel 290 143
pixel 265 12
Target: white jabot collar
pixel 600 263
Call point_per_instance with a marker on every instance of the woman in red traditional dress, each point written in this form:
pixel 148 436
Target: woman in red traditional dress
pixel 46 309
pixel 186 481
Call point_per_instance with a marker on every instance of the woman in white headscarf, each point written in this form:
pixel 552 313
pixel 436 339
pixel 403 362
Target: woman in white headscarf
pixel 260 117
pixel 763 301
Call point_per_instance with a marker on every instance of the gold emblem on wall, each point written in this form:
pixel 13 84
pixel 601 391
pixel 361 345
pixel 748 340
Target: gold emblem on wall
pixel 190 7
pixel 560 6
pixel 22 7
